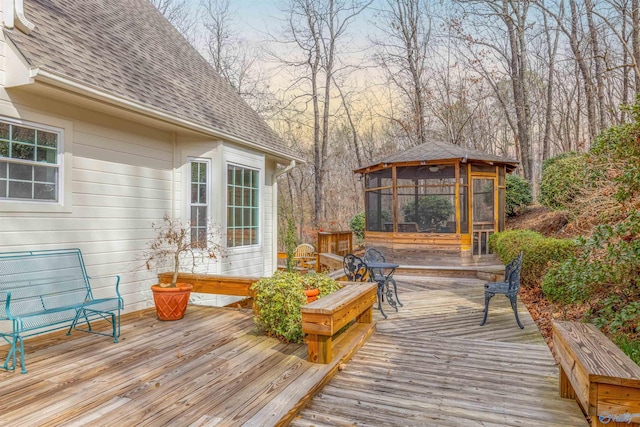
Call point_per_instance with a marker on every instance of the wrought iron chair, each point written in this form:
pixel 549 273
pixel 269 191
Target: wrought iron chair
pixel 374 255
pixel 509 288
pixel 354 268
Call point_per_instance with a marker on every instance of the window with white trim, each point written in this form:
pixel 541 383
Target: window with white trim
pixel 243 206
pixel 199 201
pixel 29 163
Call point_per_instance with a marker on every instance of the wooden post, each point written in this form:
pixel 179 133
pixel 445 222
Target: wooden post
pixel 319 348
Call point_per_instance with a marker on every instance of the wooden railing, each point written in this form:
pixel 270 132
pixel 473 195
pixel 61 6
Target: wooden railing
pixel 338 242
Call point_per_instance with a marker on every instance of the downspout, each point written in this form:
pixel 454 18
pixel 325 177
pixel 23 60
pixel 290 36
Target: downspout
pixel 274 184
pixel 14 16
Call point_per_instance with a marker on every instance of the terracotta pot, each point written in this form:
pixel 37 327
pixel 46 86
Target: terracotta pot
pixel 171 303
pixel 312 294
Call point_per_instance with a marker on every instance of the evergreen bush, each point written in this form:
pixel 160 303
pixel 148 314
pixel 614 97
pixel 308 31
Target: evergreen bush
pixel 357 225
pixel 518 194
pixel 539 252
pixel 562 179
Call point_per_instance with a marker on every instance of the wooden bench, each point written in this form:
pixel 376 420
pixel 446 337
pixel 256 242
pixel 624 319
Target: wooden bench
pixel 41 291
pixel 595 372
pixel 323 318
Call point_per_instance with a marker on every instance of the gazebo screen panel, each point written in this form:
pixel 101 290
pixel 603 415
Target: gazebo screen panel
pixel 430 210
pixel 426 199
pixel 379 208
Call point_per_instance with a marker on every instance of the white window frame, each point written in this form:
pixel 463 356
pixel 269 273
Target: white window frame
pixel 258 225
pixel 6 202
pixel 190 203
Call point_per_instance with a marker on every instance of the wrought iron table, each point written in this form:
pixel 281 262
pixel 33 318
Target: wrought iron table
pixel 377 273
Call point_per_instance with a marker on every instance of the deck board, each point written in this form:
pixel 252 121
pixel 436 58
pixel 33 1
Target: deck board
pixel 432 364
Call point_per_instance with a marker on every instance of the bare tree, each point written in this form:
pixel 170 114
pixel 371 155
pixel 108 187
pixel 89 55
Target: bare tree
pixel 180 15
pixel 403 53
pixel 315 29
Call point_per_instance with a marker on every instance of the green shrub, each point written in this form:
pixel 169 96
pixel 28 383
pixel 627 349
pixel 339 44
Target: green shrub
pixel 630 347
pixel 357 225
pixel 617 148
pixel 518 194
pixel 539 252
pixel 606 272
pixel 431 211
pixel 562 179
pixel 278 300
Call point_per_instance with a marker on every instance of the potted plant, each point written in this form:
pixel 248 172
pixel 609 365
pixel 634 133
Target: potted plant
pixel 175 245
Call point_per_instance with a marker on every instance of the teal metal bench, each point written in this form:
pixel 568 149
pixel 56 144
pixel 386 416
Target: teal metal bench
pixel 41 291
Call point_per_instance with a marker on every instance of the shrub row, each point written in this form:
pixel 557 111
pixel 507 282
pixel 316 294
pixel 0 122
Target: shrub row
pixel 539 252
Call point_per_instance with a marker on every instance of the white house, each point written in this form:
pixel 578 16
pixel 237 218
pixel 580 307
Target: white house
pixel 109 120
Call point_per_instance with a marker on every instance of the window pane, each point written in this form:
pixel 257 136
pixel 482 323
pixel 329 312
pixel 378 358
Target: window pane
pixel 44 191
pixel 22 151
pixel 23 134
pixel 44 174
pixel 47 139
pixel 21 172
pixel 46 155
pixel 4 130
pixel 3 188
pixel 202 196
pixel 194 193
pixel 242 206
pixel 20 190
pixel 28 178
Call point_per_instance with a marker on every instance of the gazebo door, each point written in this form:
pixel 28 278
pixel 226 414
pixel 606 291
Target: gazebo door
pixel 483 209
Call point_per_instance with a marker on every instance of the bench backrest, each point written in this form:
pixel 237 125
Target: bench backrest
pixel 354 268
pixel 42 280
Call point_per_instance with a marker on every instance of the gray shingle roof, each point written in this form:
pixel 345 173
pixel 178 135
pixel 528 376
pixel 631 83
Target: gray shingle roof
pixel 127 48
pixel 439 150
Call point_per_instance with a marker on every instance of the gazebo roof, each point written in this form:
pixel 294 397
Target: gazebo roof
pixel 439 150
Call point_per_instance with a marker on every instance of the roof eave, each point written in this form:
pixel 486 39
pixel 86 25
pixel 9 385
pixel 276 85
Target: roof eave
pixel 510 164
pixel 52 78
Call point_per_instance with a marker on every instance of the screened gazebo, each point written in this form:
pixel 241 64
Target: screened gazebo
pixel 435 198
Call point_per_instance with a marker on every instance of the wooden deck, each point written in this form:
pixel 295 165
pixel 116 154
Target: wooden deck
pixel 431 364
pixel 211 368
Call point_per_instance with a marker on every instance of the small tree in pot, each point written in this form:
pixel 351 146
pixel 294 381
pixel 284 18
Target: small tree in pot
pixel 177 244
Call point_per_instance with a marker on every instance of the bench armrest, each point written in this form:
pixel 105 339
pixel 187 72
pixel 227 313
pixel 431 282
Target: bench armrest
pixel 5 300
pixel 115 277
